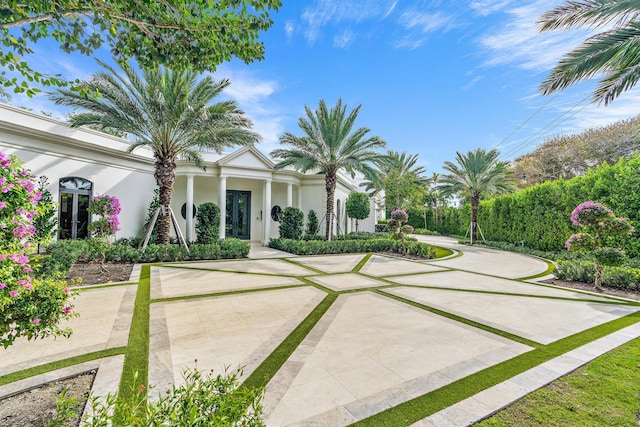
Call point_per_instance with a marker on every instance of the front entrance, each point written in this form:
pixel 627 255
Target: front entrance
pixel 75 195
pixel 238 218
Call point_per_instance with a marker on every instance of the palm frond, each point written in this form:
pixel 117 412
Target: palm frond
pixel 594 13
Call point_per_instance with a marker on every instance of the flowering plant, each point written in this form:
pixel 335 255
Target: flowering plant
pixel 108 207
pixel 28 306
pixel 599 224
pixel 398 227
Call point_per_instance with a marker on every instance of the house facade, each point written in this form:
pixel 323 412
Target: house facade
pixel 81 163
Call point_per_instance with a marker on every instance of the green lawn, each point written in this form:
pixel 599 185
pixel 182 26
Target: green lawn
pixel 605 392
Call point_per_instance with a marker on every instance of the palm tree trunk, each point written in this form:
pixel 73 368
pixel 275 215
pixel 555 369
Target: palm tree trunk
pixel 165 175
pixel 330 186
pixel 475 203
pixel 598 281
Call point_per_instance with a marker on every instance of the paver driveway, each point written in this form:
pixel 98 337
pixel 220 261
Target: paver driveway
pixel 360 333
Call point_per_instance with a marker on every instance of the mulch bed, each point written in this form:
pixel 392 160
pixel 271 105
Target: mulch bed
pixel 91 273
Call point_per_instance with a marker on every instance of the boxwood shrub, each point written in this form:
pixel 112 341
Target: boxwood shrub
pixel 319 247
pixel 622 277
pixel 63 254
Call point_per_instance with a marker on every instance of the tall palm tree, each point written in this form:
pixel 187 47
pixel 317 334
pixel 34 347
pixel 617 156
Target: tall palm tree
pixel 168 111
pixel 614 52
pixel 328 145
pixel 402 164
pixel 476 173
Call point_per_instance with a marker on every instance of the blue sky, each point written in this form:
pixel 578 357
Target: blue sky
pixel 434 77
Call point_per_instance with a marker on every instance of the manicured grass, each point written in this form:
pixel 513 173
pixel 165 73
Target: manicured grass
pixel 604 392
pixel 59 364
pixel 442 252
pixel 135 372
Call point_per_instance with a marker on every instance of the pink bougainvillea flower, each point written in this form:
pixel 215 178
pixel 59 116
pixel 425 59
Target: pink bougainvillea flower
pixel 28 287
pixel 3 285
pixel 14 294
pixel 36 320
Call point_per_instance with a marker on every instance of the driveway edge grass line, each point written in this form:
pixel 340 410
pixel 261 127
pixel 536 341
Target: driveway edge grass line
pixel 59 364
pixel 362 262
pixel 312 270
pixel 551 267
pixel 135 372
pixel 226 293
pixel 261 376
pixel 421 407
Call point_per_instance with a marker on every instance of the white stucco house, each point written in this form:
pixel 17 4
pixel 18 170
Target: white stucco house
pixel 80 163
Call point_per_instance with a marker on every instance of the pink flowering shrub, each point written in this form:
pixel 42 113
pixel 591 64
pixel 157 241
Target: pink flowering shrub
pixel 108 207
pixel 29 307
pixel 599 225
pixel 397 225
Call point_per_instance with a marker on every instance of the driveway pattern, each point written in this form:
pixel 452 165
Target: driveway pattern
pixel 394 330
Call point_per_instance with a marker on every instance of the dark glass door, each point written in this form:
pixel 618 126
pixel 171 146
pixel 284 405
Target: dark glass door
pixel 74 215
pixel 238 215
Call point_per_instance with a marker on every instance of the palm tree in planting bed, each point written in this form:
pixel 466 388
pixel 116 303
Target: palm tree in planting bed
pixel 170 112
pixel 328 145
pixel 477 173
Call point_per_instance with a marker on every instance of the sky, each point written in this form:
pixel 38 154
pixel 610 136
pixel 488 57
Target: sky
pixel 433 77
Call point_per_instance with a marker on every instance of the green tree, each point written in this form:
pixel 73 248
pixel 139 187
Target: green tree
pixel 312 223
pixel 198 34
pixel 357 206
pixel 614 53
pixel 169 112
pixel 477 173
pixel 45 222
pixel 292 223
pixel 208 223
pixel 328 145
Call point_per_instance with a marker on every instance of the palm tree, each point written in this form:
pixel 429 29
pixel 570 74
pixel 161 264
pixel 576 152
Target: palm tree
pixel 402 164
pixel 168 111
pixel 328 145
pixel 615 52
pixel 478 172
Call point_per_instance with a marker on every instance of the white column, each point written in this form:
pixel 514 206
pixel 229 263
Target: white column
pixel 267 210
pixel 289 195
pixel 300 197
pixel 189 212
pixel 222 190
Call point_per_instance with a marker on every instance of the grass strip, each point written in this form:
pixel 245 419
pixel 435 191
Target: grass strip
pixel 442 252
pixel 179 267
pixel 106 285
pixel 135 372
pixel 602 393
pixel 361 264
pixel 550 269
pixel 318 286
pixel 225 293
pixel 261 376
pixel 299 264
pixel 466 321
pixel 59 364
pixel 420 407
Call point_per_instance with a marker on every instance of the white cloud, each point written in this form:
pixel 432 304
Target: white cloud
pixel 289 29
pixel 423 21
pixel 344 39
pixel 410 43
pixel 471 83
pixel 487 7
pixel 390 10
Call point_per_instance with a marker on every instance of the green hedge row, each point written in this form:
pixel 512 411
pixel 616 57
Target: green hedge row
pixel 63 254
pixel 584 271
pixel 318 247
pixel 539 215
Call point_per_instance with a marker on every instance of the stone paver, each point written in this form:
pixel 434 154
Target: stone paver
pixel 343 282
pixel 174 282
pixel 103 322
pixel 264 266
pixel 478 282
pixel 387 266
pixel 331 263
pixel 356 355
pixel 230 331
pixel 539 319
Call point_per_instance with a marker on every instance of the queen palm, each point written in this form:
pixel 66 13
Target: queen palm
pixel 169 112
pixel 328 145
pixel 614 52
pixel 477 173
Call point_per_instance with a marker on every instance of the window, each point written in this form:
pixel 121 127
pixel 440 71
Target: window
pixel 75 195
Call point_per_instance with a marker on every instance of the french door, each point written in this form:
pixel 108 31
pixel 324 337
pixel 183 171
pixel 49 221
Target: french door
pixel 238 216
pixel 74 215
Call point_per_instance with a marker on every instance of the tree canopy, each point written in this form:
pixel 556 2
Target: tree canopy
pixel 197 34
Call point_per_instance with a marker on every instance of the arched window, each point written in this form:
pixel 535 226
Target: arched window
pixel 75 195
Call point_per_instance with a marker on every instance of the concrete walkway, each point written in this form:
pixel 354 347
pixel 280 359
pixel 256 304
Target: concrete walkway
pixel 397 330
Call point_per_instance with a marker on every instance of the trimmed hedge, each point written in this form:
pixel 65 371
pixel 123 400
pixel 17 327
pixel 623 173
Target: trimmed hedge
pixel 539 215
pixel 320 247
pixel 63 254
pixel 584 271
